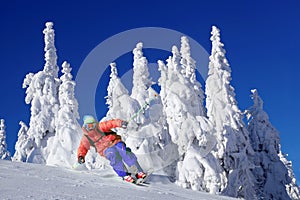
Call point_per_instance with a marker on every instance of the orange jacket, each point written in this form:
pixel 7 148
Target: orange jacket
pixel 101 137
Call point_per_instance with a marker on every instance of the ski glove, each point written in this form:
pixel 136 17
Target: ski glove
pixel 124 124
pixel 81 160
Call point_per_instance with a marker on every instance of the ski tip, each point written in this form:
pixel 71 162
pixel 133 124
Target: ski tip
pixel 150 171
pixel 75 165
pixel 78 166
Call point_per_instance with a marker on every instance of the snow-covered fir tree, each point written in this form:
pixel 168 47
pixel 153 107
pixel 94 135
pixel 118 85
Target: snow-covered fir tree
pixel 54 133
pixel 273 173
pixel 63 146
pixel 174 93
pixel 188 65
pixel 141 78
pixel 42 94
pixel 233 146
pixel 4 153
pixel 150 138
pixel 120 104
pixel 23 145
pixel 292 188
pixel 182 98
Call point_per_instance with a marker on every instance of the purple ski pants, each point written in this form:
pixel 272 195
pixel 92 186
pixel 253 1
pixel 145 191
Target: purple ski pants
pixel 120 154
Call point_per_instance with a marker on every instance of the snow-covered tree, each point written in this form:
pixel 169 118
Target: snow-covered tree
pixel 188 65
pixel 42 94
pixel 141 78
pixel 273 173
pixel 4 153
pixel 151 139
pixel 62 147
pixel 67 91
pixel 292 188
pixel 233 147
pixel 182 98
pixel 54 133
pixel 50 67
pixel 23 145
pixel 120 104
pixel 175 94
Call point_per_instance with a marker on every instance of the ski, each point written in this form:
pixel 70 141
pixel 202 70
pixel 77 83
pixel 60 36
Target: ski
pixel 144 180
pixel 141 181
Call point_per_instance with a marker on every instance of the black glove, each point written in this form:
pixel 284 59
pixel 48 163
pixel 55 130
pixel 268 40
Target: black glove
pixel 81 160
pixel 124 124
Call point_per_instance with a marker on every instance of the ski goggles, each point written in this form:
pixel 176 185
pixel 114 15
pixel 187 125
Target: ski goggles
pixel 90 126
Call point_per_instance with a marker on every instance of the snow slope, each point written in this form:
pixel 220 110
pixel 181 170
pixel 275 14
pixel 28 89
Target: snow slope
pixel 34 181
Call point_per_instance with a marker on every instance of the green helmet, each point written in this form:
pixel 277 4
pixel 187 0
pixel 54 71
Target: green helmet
pixel 89 119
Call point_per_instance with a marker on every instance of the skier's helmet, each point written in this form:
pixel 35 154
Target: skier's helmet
pixel 89 122
pixel 89 119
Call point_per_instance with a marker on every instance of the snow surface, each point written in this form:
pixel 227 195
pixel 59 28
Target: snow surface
pixel 34 181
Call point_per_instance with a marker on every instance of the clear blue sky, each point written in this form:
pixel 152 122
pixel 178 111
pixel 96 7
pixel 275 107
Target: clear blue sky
pixel 261 39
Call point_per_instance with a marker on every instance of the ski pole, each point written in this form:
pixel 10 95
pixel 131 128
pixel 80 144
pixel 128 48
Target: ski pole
pixel 143 108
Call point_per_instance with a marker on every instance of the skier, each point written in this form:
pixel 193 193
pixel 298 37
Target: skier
pixel 110 145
